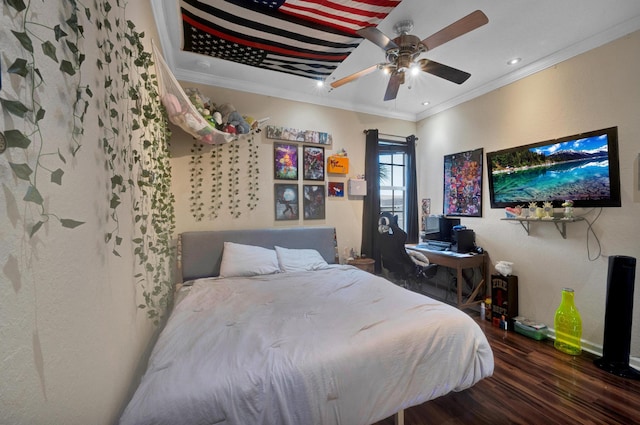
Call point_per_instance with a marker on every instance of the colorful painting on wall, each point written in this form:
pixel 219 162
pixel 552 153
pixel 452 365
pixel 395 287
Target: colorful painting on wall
pixel 285 161
pixel 286 201
pixel 313 202
pixel 336 189
pixel 313 161
pixel 463 184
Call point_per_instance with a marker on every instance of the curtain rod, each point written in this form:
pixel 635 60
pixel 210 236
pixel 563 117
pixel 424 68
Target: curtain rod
pixel 392 135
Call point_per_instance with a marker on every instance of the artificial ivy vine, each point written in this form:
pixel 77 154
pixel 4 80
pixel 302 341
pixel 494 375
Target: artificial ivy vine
pixel 29 34
pixel 253 174
pixel 233 153
pixel 133 131
pixel 216 183
pixel 138 157
pixel 233 176
pixel 195 182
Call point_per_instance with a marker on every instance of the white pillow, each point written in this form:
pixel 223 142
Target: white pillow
pixel 296 260
pixel 247 260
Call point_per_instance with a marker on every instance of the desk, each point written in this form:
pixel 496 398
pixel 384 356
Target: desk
pixel 459 262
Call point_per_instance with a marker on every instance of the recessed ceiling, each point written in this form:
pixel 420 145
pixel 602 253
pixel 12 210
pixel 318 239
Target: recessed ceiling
pixel 541 33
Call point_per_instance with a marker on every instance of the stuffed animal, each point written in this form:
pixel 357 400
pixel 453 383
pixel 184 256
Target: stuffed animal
pixel 233 117
pixel 171 104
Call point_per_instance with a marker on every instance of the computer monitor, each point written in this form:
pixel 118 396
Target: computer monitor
pixel 431 225
pixel 446 228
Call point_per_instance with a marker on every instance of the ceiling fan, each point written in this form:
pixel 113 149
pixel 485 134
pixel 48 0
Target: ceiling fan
pixel 401 52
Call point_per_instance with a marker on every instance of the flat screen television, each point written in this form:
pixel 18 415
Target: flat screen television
pixel 584 168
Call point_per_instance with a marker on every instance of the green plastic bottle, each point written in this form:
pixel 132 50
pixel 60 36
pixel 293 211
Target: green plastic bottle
pixel 568 325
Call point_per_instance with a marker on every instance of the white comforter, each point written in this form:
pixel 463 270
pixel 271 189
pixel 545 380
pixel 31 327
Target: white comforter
pixel 334 346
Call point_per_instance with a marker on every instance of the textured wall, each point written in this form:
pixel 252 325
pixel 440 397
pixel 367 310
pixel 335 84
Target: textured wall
pixel 595 90
pixel 71 333
pixel 347 130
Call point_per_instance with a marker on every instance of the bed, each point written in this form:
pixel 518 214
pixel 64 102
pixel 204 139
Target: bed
pixel 268 329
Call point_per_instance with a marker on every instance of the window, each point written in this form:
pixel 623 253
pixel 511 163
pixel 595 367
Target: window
pixel 392 159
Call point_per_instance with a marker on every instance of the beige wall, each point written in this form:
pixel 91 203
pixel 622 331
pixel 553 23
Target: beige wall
pixel 71 334
pixel 595 90
pixel 347 131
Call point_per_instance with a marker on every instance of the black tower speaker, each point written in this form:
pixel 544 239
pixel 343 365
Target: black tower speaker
pixel 618 318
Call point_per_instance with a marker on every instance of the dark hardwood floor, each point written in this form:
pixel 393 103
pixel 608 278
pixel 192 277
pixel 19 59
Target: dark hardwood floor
pixel 533 383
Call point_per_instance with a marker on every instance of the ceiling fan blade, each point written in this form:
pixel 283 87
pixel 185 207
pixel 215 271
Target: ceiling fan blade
pixel 377 37
pixel 394 85
pixel 443 71
pixel 460 27
pixel 355 76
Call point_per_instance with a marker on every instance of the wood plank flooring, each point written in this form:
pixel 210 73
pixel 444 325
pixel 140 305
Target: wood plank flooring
pixel 533 383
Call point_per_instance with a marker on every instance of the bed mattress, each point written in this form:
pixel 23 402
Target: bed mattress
pixel 332 346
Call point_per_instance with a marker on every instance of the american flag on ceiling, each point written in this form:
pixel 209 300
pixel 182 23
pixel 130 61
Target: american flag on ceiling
pixel 309 38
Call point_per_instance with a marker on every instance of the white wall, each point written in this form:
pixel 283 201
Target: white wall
pixel 595 90
pixel 71 334
pixel 347 131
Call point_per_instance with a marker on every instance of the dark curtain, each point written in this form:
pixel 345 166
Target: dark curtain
pixel 412 226
pixel 371 207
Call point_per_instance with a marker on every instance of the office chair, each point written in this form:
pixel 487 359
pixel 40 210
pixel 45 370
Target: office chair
pixel 401 267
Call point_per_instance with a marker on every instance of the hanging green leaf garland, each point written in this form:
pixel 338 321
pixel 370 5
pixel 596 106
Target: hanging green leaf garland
pixel 195 182
pixel 133 130
pixel 135 136
pixel 29 109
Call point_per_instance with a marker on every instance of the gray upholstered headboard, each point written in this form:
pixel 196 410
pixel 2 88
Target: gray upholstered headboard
pixel 201 252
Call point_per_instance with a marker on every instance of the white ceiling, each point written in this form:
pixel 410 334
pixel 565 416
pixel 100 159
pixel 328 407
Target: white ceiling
pixel 542 33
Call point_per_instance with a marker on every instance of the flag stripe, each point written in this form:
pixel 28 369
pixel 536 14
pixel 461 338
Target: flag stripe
pixel 268 26
pixel 338 15
pixel 271 48
pixel 338 9
pixel 308 38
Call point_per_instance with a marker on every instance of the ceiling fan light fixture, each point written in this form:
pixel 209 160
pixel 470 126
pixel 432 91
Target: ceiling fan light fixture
pixel 402 52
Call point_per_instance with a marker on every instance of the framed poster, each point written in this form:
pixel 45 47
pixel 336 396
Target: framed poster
pixel 463 184
pixel 336 189
pixel 313 163
pixel 286 201
pixel 285 158
pixel 313 201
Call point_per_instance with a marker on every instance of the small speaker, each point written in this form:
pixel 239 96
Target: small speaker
pixel 618 318
pixel 464 241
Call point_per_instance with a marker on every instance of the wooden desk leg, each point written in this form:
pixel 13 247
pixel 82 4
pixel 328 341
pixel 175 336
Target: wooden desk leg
pixel 459 284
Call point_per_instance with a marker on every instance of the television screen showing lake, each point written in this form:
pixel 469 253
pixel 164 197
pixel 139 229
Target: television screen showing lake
pixel 576 170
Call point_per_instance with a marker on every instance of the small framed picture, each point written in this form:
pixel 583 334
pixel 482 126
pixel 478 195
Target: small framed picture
pixel 313 162
pixel 286 201
pixel 313 202
pixel 336 189
pixel 285 157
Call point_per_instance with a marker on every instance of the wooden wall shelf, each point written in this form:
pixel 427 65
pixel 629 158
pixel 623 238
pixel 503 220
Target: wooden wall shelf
pixel 560 223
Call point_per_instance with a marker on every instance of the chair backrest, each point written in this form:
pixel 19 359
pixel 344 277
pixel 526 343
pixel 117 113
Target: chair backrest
pixel 393 253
